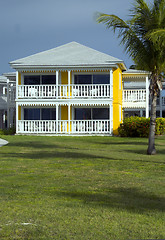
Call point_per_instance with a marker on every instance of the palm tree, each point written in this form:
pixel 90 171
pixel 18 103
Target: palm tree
pixel 143 37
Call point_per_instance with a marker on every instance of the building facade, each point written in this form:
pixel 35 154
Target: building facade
pixel 76 90
pixel 71 89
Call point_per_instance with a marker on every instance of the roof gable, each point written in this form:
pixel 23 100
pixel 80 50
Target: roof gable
pixel 71 54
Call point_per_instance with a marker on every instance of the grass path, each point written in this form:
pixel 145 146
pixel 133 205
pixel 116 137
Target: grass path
pixel 81 188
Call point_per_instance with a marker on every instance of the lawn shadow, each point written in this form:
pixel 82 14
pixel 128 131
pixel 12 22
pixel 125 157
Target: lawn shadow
pixel 130 199
pixel 121 141
pixel 45 155
pixel 32 144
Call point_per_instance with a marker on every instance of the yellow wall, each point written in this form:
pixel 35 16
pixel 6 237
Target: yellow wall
pixel 117 100
pixel 64 112
pixel 64 78
pixel 19 78
pixel 64 115
pixel 19 112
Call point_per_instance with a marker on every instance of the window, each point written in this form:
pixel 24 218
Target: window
pixel 31 114
pixel 49 79
pixel 48 113
pixel 39 114
pixel 32 80
pixel 100 113
pixel 92 79
pixel 101 79
pixel 91 113
pixel 83 79
pixel 82 113
pixel 37 79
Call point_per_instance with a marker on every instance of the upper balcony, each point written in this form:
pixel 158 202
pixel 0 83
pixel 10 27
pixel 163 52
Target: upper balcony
pixel 134 98
pixel 64 91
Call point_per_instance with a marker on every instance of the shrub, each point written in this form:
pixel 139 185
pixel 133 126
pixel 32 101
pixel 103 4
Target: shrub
pixel 139 127
pixel 160 126
pixel 9 131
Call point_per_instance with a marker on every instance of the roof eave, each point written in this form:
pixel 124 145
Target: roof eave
pixel 61 67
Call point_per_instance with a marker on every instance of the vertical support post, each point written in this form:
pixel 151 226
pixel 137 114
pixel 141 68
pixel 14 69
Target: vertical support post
pixel 8 105
pixel 111 104
pixel 141 112
pixel 11 117
pixel 69 118
pixel 147 97
pixel 56 118
pixel 4 118
pixel 111 83
pixel 160 102
pixel 16 117
pixel 57 84
pixel 69 83
pixel 111 117
pixel 17 85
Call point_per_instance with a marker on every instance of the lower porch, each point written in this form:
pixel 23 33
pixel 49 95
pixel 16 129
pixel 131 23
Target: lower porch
pixel 64 127
pixel 68 119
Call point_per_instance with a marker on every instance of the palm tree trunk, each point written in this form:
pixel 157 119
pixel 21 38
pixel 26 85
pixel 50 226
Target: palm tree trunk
pixel 151 142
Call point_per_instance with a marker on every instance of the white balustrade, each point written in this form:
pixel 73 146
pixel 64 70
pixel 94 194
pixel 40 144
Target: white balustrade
pixel 76 91
pixel 62 91
pixel 90 91
pixel 90 126
pixel 36 91
pixel 134 95
pixel 77 126
pixel 36 126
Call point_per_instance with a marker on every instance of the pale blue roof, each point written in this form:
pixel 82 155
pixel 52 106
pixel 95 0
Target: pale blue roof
pixel 71 54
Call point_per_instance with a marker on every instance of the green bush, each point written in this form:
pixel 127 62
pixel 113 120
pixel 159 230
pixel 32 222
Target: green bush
pixel 139 127
pixel 9 131
pixel 160 126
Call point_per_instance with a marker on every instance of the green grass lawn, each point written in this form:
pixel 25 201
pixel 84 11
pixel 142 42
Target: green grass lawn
pixel 81 188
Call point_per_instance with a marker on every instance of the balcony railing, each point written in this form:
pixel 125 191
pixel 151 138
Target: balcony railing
pixel 64 91
pixel 36 91
pixel 90 126
pixel 134 95
pixel 62 126
pixel 90 90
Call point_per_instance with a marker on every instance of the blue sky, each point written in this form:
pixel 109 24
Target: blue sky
pixel 31 26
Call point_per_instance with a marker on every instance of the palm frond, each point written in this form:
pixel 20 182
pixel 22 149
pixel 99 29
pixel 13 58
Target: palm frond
pixel 142 35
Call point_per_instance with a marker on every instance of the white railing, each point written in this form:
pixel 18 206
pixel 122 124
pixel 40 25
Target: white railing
pixel 76 91
pixel 62 126
pixel 90 126
pixel 36 126
pixel 134 95
pixel 90 91
pixel 36 91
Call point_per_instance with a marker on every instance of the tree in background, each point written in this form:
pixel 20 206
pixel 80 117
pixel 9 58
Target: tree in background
pixel 143 37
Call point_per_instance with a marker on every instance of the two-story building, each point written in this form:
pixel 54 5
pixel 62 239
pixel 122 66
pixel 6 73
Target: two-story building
pixel 71 89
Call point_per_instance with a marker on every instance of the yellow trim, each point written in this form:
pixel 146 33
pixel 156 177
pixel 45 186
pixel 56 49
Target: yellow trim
pixel 64 115
pixel 19 78
pixel 19 112
pixel 117 99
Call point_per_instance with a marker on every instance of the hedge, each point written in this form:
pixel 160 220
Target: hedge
pixel 139 127
pixel 9 131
